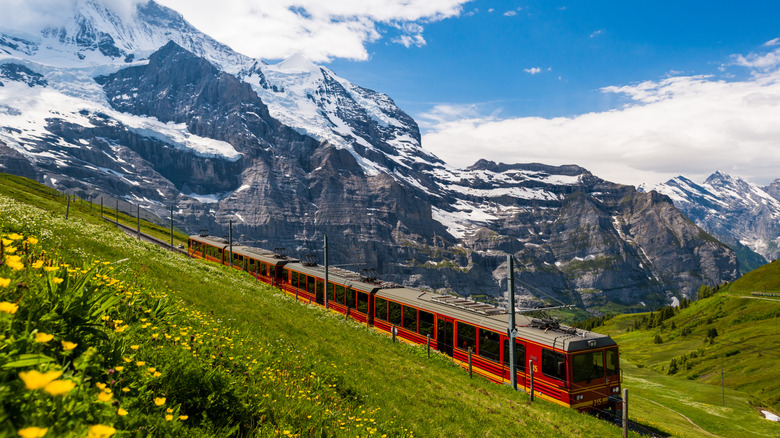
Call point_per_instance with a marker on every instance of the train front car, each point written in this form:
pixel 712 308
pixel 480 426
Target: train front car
pixel 576 368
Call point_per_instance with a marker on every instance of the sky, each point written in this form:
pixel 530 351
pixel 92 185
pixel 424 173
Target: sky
pixel 635 92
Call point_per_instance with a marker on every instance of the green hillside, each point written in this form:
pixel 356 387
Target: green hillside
pixel 103 331
pixel 678 355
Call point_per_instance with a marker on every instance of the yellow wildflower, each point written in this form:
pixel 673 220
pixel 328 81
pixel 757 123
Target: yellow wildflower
pixel 121 329
pixel 56 280
pixel 43 337
pixel 100 431
pixel 14 236
pixel 10 250
pixel 119 369
pixel 169 417
pixel 121 412
pixel 157 374
pixel 140 363
pixel 7 242
pixel 134 347
pixel 38 264
pixel 14 262
pixel 50 268
pixel 169 410
pixel 183 417
pixel 32 240
pixel 67 346
pixel 36 380
pixel 101 385
pixel 127 359
pixel 105 396
pixel 125 389
pixel 152 370
pixel 32 432
pixel 59 387
pixel 7 307
pixel 159 401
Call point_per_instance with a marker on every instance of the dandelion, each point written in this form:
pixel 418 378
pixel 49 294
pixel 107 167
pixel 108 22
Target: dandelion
pixel 7 242
pixel 127 359
pixel 56 280
pixel 100 431
pixel 5 306
pixel 183 417
pixel 121 412
pixel 32 240
pixel 59 387
pixel 105 396
pixel 14 236
pixel 43 337
pixel 119 368
pixel 159 401
pixel 4 282
pixel 121 329
pixel 14 262
pixel 50 268
pixel 32 432
pixel 125 389
pixel 67 346
pixel 36 380
pixel 151 370
pixel 140 363
pixel 38 264
pixel 169 410
pixel 101 386
pixel 169 417
pixel 134 347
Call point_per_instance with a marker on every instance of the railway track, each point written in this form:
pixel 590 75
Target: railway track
pixel 133 232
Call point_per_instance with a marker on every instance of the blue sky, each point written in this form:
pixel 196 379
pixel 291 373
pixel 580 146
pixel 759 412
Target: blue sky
pixel 635 92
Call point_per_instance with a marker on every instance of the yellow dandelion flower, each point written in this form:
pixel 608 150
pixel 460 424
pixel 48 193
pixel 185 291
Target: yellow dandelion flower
pixel 127 359
pixel 43 337
pixel 14 236
pixel 59 387
pixel 7 242
pixel 183 417
pixel 32 240
pixel 125 389
pixel 157 374
pixel 121 412
pixel 119 368
pixel 151 370
pixel 140 363
pixel 105 396
pixel 100 431
pixel 169 410
pixel 32 432
pixel 56 280
pixel 134 347
pixel 169 417
pixel 121 329
pixel 10 250
pixel 100 385
pixel 14 262
pixel 159 401
pixel 5 306
pixel 36 380
pixel 50 268
pixel 38 264
pixel 118 321
pixel 67 346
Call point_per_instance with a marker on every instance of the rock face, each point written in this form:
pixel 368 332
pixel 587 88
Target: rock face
pixel 154 113
pixel 739 213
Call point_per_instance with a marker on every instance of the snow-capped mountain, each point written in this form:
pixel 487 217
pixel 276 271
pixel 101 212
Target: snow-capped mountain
pixel 143 107
pixel 735 211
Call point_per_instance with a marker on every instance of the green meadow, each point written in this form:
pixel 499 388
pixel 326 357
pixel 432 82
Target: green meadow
pixel 104 335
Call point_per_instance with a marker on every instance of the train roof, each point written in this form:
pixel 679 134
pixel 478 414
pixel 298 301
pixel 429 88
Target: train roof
pixel 564 338
pixel 219 242
pixel 336 275
pixel 247 251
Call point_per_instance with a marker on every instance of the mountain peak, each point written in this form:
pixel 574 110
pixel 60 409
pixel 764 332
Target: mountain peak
pixel 298 63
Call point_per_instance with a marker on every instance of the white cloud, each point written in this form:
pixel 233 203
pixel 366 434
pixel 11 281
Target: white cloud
pixel 761 61
pixel 688 125
pixel 597 33
pixel 33 15
pixel 510 13
pixel 772 42
pixel 319 29
pixel 532 70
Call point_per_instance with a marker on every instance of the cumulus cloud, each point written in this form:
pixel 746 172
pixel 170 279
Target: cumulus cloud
pixel 532 70
pixel 596 33
pixel 319 29
pixel 688 125
pixel 510 13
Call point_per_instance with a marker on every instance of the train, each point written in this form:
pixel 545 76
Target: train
pixel 564 365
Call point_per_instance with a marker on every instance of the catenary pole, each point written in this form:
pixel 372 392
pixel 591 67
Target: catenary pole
pixel 326 271
pixel 230 240
pixel 510 268
pixel 171 226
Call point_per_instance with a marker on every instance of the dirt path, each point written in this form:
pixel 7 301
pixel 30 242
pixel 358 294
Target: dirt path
pixel 678 413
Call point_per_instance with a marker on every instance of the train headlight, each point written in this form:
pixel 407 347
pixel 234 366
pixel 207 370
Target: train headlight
pixel 593 343
pixel 579 397
pixel 616 389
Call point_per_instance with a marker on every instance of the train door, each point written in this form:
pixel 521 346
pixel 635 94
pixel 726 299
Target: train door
pixel 444 332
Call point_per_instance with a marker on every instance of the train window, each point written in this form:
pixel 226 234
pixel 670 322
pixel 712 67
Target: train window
pixel 467 336
pixel 285 275
pixel 331 288
pixel 339 291
pixel 394 313
pixel 489 345
pixel 410 318
pixel 320 295
pixel 350 298
pixel 612 362
pixel 310 285
pixel 262 270
pixel 362 302
pixel 588 366
pixel 553 364
pixel 519 355
pixel 294 281
pixel 426 323
pixel 271 270
pixel 381 309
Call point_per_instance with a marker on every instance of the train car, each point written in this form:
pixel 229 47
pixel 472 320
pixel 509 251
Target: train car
pixel 266 266
pixel 571 367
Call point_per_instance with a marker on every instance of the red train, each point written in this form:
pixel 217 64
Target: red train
pixel 571 367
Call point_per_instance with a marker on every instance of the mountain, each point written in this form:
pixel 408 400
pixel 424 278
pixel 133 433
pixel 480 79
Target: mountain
pixel 737 212
pixel 147 109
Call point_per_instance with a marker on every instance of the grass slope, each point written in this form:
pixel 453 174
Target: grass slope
pixel 231 356
pixel 746 348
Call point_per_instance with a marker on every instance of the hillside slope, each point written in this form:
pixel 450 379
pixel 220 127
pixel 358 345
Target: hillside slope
pixel 306 371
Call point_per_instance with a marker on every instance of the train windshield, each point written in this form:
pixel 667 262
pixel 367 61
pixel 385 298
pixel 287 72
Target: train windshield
pixel 588 366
